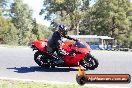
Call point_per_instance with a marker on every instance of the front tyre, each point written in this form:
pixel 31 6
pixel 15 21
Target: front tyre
pixel 89 62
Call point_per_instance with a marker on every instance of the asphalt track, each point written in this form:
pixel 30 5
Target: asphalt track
pixel 19 63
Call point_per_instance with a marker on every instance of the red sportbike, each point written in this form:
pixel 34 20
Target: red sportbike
pixel 78 53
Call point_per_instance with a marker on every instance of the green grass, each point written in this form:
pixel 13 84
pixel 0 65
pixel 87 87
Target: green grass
pixel 31 84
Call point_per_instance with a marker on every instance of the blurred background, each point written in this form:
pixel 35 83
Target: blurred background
pixel 104 24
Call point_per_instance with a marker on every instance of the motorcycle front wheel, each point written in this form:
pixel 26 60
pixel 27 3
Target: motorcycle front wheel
pixel 89 62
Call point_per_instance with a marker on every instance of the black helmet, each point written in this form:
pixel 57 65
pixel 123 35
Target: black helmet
pixel 62 30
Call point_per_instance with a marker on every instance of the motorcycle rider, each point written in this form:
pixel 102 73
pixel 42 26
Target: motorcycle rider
pixel 55 43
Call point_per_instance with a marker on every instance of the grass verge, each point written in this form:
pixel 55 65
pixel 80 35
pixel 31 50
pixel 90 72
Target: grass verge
pixel 32 84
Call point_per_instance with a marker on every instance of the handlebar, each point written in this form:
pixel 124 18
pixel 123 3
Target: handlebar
pixel 75 39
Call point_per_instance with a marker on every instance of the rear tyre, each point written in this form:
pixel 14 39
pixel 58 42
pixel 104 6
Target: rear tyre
pixel 41 59
pixel 89 62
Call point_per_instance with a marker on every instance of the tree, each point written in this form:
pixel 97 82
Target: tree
pixel 8 32
pixel 11 37
pixel 3 28
pixel 0 7
pixel 128 40
pixel 20 28
pixel 5 7
pixel 69 12
pixel 111 17
pixel 40 31
pixel 22 18
pixel 88 23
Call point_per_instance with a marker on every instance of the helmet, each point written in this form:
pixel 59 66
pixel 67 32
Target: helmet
pixel 62 30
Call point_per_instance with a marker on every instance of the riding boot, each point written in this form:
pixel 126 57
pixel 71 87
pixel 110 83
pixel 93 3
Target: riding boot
pixel 59 60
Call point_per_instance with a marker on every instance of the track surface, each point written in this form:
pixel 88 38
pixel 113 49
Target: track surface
pixel 19 63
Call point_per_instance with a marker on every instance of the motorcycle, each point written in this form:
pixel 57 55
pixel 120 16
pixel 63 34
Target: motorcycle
pixel 78 53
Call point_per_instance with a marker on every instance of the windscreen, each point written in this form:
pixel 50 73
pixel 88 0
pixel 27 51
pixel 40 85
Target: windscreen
pixel 80 44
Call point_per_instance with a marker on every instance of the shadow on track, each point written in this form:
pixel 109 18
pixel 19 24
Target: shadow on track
pixel 40 69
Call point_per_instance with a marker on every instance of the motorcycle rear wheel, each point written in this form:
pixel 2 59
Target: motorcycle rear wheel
pixel 89 62
pixel 41 59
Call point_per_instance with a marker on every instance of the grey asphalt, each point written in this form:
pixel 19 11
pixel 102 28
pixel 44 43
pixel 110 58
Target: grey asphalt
pixel 19 63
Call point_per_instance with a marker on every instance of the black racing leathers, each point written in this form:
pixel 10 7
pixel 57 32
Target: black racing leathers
pixel 56 40
pixel 54 44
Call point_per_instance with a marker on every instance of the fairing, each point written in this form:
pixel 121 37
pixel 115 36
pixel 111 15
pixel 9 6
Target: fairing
pixel 70 60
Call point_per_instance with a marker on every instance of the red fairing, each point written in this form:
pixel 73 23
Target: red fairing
pixel 74 59
pixel 40 44
pixel 69 47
